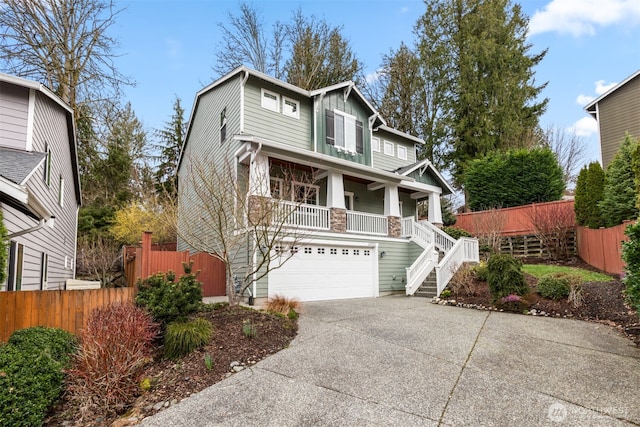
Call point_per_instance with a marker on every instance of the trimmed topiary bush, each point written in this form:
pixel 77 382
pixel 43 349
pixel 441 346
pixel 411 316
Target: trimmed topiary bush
pixel 168 300
pixel 31 374
pixel 619 196
pixel 588 194
pixel 554 286
pixel 505 277
pixel 182 338
pixel 631 257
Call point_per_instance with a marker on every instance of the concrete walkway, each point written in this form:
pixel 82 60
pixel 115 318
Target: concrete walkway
pixel 402 361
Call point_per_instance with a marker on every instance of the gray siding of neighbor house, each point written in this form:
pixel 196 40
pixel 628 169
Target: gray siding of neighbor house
pixel 50 127
pixel 276 126
pixel 618 114
pixel 14 113
pixel 205 148
pixel 335 100
pixel 388 162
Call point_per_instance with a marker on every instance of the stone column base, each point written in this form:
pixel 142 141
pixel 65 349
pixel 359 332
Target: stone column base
pixel 338 220
pixel 394 226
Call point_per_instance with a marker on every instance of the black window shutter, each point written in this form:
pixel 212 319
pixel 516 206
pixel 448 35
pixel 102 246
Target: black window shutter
pixel 331 138
pixel 359 137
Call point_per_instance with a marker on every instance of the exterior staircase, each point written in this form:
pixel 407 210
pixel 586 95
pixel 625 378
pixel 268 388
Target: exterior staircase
pixel 441 258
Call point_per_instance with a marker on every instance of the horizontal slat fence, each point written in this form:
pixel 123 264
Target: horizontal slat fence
pixel 66 310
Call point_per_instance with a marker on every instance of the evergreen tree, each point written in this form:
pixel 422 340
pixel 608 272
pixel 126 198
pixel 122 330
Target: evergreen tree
pixel 588 194
pixel 171 138
pixel 619 201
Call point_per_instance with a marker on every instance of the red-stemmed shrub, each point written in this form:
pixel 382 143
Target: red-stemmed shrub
pixel 115 345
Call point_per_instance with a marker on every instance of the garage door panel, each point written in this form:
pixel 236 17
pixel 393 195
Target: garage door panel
pixel 325 272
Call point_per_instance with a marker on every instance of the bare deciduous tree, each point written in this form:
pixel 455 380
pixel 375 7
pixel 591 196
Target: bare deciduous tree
pixel 570 150
pixel 98 259
pixel 553 224
pixel 64 44
pixel 251 234
pixel 488 227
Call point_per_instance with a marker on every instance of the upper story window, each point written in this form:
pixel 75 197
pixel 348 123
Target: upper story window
pixel 270 100
pixel 305 193
pixel 223 125
pixel 344 131
pixel 290 107
pixel 61 192
pixel 402 152
pixel 47 165
pixel 375 144
pixel 388 148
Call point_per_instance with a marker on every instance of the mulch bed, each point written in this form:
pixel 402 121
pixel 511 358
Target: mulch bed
pixel 173 381
pixel 603 301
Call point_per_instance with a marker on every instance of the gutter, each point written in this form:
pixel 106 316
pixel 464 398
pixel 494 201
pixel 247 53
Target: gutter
pixel 50 222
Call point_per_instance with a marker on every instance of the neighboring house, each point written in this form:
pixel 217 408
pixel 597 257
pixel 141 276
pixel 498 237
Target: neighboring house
pixel 39 185
pixel 366 239
pixel 617 112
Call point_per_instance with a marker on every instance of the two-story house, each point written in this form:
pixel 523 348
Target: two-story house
pixel 618 113
pixel 365 238
pixel 39 185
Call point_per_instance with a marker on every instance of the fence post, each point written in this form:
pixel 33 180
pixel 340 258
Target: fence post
pixel 146 254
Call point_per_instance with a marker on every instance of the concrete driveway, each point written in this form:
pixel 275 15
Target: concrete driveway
pixel 403 361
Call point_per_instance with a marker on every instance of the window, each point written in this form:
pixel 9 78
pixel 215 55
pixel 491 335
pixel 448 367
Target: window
pixel 47 165
pixel 345 252
pixel 308 250
pixel 290 107
pixel 344 131
pixel 223 125
pixel 16 261
pixel 375 144
pixel 388 148
pixel 44 270
pixel 320 251
pixel 276 187
pixel 367 252
pixel 334 251
pixel 270 100
pixel 61 192
pixel 356 251
pixel 305 193
pixel 402 152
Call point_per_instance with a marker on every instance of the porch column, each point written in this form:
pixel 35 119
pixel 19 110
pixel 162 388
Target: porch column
pixel 259 182
pixel 435 213
pixel 392 210
pixel 335 202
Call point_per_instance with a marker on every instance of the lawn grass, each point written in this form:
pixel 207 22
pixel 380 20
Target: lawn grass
pixel 540 270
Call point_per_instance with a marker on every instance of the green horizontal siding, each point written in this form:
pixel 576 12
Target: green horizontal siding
pixel 389 163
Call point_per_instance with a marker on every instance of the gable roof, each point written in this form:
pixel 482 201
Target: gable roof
pixel 427 167
pixel 591 107
pixel 17 166
pixel 71 128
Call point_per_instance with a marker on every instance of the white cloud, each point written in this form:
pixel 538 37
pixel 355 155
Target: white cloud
pixel 585 127
pixel 584 99
pixel 372 77
pixel 602 86
pixel 404 9
pixel 580 17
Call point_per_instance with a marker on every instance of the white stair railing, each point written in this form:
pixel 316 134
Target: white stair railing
pixel 420 269
pixel 465 250
pixel 443 241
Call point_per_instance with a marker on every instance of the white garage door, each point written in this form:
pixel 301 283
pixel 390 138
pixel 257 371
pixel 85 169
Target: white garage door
pixel 323 272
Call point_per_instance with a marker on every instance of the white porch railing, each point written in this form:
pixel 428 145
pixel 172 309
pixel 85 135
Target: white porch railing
pixel 300 215
pixel 366 223
pixel 418 233
pixel 420 269
pixel 443 241
pixel 465 250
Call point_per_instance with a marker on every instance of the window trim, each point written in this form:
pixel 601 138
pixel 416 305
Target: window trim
pixel 15 268
pixel 44 271
pixel 47 164
pixel 276 103
pixel 404 149
pixel 223 125
pixel 389 144
pixel 375 146
pixel 350 196
pixel 295 114
pixel 61 192
pixel 304 184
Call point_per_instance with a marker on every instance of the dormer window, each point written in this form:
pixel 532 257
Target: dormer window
pixel 344 131
pixel 270 100
pixel 402 152
pixel 290 107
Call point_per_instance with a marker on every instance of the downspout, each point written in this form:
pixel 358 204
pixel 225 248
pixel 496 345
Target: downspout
pixel 42 223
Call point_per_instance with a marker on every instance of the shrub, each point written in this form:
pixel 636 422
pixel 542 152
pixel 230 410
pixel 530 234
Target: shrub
pixel 249 329
pixel 446 293
pixel 282 304
pixel 631 257
pixel 505 277
pixel 183 337
pixel 481 271
pixel 555 286
pixel 58 344
pixel 31 374
pixel 619 196
pixel 576 298
pixel 168 300
pixel 292 314
pixel 115 345
pixel 462 280
pixel 456 232
pixel 513 303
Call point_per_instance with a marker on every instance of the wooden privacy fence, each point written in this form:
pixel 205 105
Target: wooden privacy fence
pixel 602 248
pixel 66 310
pixel 517 220
pixel 144 262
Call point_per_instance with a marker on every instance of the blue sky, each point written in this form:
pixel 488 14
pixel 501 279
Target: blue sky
pixel 168 47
